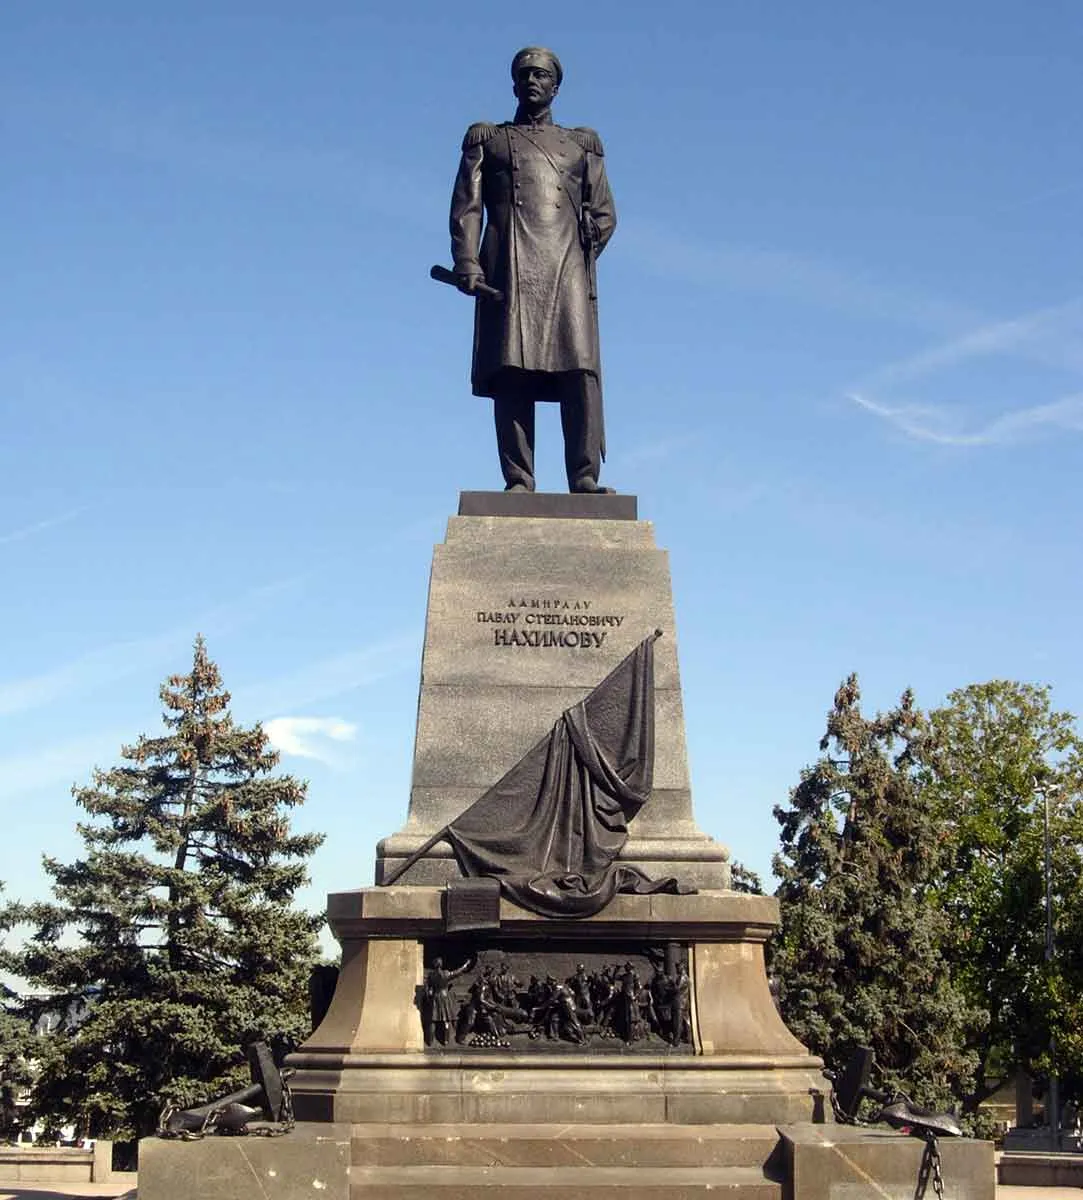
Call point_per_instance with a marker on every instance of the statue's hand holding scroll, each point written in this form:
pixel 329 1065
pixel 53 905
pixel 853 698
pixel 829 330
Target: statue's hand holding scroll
pixel 469 282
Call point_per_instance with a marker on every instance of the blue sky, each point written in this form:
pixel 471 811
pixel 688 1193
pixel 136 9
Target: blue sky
pixel 842 322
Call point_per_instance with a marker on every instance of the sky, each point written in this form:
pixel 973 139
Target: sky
pixel 842 335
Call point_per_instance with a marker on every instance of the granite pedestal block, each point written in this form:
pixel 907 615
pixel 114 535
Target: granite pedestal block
pixel 310 1161
pixel 368 1060
pixel 527 613
pixel 843 1162
pixel 652 1162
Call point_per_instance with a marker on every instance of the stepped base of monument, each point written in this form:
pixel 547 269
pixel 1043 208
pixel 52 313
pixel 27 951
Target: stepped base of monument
pixel 521 1089
pixel 643 1162
pixel 388 1144
pixel 453 1161
pixel 386 1160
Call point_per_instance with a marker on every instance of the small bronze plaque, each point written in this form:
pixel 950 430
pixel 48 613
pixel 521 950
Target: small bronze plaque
pixel 472 904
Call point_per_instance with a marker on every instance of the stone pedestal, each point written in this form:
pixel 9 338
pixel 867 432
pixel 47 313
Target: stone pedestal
pixel 533 600
pixel 368 1060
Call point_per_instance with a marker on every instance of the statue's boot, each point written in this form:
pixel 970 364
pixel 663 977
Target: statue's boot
pixel 591 487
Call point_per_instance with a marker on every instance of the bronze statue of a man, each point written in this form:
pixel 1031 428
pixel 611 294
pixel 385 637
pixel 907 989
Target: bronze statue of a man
pixel 548 214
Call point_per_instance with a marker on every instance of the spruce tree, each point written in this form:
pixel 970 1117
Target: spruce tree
pixel 16 1050
pixel 858 957
pixel 175 933
pixel 744 879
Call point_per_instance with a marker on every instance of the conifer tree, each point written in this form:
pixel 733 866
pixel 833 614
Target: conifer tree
pixel 744 879
pixel 16 1050
pixel 858 957
pixel 177 923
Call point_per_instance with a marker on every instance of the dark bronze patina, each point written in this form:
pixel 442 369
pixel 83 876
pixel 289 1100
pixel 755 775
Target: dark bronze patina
pixel 526 998
pixel 542 192
pixel 552 829
pixel 264 1107
pixel 437 1011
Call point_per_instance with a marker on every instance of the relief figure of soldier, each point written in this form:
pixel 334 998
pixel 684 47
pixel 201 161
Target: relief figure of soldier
pixel 438 1010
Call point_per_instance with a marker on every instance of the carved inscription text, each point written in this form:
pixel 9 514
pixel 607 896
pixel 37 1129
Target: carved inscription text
pixel 535 623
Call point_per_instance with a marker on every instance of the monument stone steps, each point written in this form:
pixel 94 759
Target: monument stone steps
pixel 421 1090
pixel 560 1145
pixel 584 1182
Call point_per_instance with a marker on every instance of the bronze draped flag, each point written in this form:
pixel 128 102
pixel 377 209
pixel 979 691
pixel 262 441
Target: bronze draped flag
pixel 551 829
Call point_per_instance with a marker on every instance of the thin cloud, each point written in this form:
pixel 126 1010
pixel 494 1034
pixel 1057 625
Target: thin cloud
pixel 929 424
pixel 1050 336
pixel 87 672
pixel 59 764
pixel 305 737
pixel 18 535
pixel 660 450
pixel 819 283
pixel 329 677
pixel 180 142
pixel 737 498
pixel 118 660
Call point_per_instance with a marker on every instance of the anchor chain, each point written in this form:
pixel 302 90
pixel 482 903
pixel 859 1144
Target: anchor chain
pixel 931 1164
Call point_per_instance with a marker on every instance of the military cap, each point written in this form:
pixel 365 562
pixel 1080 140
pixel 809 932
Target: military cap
pixel 537 56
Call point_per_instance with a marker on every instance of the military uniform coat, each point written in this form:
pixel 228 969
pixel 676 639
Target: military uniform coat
pixel 534 185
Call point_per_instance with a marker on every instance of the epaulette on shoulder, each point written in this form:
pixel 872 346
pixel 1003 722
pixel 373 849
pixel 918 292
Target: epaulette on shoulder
pixel 478 134
pixel 588 139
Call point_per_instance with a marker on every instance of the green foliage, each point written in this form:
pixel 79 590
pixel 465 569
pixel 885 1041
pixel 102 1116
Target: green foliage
pixel 859 955
pixel 744 879
pixel 177 922
pixel 993 755
pixel 16 1051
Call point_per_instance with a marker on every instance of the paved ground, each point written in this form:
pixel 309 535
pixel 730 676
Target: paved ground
pixel 119 1185
pixel 1038 1193
pixel 124 1185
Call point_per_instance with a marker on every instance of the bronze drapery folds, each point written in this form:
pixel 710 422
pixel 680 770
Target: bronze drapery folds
pixel 552 828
